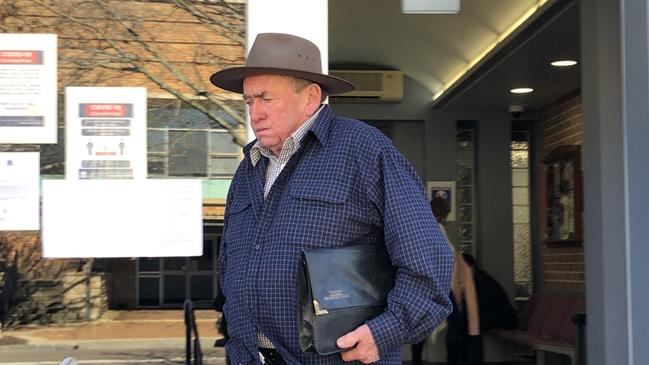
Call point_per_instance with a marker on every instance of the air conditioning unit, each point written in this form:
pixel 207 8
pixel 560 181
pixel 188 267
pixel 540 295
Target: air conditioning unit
pixel 371 85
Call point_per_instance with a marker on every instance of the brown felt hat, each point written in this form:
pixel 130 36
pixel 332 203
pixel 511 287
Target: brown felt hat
pixel 281 54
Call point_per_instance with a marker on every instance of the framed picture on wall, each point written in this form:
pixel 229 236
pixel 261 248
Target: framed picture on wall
pixel 562 206
pixel 446 191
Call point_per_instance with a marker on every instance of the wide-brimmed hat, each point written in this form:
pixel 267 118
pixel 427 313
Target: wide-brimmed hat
pixel 281 54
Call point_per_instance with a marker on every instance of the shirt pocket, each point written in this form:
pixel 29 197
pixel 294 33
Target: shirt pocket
pixel 319 214
pixel 323 192
pixel 240 225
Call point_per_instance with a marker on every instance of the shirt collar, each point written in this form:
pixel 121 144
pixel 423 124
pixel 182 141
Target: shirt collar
pixel 289 146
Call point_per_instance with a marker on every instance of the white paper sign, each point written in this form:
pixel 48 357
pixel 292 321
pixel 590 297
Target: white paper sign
pixel 122 218
pixel 19 191
pixel 28 96
pixel 105 133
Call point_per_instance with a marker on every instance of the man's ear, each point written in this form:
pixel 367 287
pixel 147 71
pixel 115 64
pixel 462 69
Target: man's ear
pixel 314 94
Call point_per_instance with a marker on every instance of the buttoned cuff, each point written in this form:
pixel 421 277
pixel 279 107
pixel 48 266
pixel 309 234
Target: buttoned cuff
pixel 387 331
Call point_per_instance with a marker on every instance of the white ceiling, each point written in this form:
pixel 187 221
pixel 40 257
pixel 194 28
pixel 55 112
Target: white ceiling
pixel 432 49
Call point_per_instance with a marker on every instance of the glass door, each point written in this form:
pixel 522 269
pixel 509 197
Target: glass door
pixel 167 282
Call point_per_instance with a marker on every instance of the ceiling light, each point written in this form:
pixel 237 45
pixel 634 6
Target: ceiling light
pixel 535 8
pixel 521 90
pixel 430 6
pixel 563 63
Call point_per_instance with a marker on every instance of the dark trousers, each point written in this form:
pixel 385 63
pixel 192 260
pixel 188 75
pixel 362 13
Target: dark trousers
pixel 417 349
pixel 464 351
pixel 272 357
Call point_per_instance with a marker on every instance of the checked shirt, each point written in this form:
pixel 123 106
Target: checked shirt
pixel 345 185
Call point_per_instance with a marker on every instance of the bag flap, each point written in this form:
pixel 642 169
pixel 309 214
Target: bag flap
pixel 349 277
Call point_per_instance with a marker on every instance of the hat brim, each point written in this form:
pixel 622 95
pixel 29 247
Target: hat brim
pixel 231 79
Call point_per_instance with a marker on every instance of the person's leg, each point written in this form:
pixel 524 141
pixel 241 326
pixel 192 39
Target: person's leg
pixel 453 352
pixel 474 350
pixel 417 349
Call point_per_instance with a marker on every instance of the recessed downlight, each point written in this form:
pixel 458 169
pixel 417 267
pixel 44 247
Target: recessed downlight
pixel 521 90
pixel 563 63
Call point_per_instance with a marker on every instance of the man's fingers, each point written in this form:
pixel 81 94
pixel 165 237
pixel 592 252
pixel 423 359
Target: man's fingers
pixel 365 349
pixel 348 340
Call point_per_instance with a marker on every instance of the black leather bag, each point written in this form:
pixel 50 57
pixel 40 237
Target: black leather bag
pixel 339 289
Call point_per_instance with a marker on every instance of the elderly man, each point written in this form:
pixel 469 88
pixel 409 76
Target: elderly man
pixel 312 179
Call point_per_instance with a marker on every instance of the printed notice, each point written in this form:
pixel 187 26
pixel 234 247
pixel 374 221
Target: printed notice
pixel 106 133
pixel 28 83
pixel 19 191
pixel 122 218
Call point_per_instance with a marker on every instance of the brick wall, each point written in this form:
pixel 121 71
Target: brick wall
pixel 118 42
pixel 562 266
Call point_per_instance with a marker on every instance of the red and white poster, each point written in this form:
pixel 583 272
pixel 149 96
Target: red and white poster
pixel 105 133
pixel 28 88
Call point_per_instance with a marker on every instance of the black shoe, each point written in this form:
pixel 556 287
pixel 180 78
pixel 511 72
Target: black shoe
pixel 220 342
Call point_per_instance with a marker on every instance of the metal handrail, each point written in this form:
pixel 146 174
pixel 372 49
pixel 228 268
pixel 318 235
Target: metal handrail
pixel 191 329
pixel 8 289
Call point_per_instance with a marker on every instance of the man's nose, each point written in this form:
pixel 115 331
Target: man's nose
pixel 255 111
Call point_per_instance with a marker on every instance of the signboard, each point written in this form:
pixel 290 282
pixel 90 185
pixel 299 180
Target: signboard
pixel 105 133
pixel 19 191
pixel 122 218
pixel 28 88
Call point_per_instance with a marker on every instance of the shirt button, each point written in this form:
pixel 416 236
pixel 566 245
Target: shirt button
pixel 257 247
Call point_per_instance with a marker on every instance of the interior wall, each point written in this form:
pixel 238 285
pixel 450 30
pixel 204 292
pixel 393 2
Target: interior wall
pixel 562 266
pixel 405 121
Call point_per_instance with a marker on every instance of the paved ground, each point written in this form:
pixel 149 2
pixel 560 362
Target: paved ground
pixel 119 337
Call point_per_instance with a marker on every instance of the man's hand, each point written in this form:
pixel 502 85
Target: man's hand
pixel 361 345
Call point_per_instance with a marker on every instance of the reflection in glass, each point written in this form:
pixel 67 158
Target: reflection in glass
pixel 519 158
pixel 201 287
pixel 465 213
pixel 465 176
pixel 223 165
pixel 174 289
pixel 149 289
pixel 149 265
pixel 188 153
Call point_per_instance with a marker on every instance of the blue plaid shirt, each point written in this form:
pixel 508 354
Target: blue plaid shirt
pixel 346 185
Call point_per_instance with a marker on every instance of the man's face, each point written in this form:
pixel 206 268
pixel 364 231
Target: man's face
pixel 276 108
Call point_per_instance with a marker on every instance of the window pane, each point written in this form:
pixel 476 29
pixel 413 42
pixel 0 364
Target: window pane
pixel 465 176
pixel 149 265
pixel 174 289
pixel 149 290
pixel 158 141
pixel 521 214
pixel 201 287
pixel 223 165
pixel 520 196
pixel 520 177
pixel 519 158
pixel 464 195
pixel 174 263
pixel 222 142
pixel 465 232
pixel 465 158
pixel 236 105
pixel 157 165
pixel 465 213
pixel 188 155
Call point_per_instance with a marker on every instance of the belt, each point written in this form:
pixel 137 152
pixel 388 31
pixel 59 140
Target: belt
pixel 271 356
